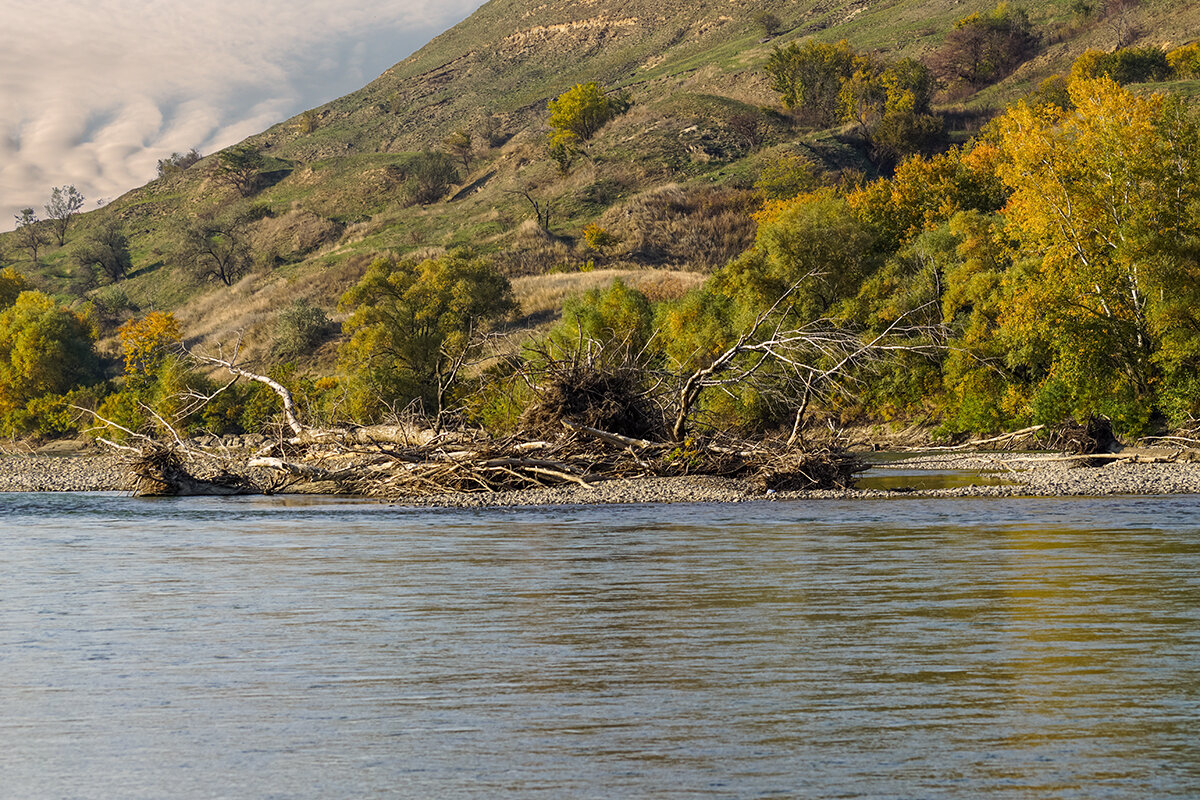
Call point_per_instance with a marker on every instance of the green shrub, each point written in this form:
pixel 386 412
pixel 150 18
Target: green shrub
pixel 299 328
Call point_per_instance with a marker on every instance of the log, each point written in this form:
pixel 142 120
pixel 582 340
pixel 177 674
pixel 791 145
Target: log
pixel 611 438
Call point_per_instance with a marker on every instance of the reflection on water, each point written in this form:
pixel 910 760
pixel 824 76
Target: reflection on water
pixel 267 648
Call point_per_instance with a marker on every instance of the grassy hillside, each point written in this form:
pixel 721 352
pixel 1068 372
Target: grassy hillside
pixel 671 177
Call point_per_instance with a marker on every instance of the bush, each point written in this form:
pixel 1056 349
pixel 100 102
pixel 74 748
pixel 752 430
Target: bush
pixel 1185 61
pixel 983 48
pixel 697 226
pixel 411 320
pixel 583 109
pixel 299 328
pixel 177 162
pixel 430 175
pixel 786 176
pixel 809 78
pixel 1128 65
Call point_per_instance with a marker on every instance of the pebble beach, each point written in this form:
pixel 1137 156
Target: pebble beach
pixel 999 475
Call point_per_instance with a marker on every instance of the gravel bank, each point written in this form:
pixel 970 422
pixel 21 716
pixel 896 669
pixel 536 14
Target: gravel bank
pixel 1024 474
pixel 93 473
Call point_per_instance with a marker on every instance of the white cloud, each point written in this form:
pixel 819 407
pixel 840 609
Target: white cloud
pixel 94 94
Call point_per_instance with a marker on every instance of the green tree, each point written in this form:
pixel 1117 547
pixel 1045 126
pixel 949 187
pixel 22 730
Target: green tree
pixel 809 78
pixel 106 249
pixel 816 243
pixel 308 121
pixel 177 162
pixel 241 168
pixel 30 235
pixel 45 349
pixel 299 328
pixel 461 147
pixel 65 202
pixel 1127 65
pixel 786 176
pixel 216 249
pixel 583 109
pixel 618 316
pixel 412 322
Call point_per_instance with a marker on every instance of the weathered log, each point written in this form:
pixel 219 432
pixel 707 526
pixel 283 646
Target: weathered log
pixel 611 438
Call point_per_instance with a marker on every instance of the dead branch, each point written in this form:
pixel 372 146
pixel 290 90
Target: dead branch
pixel 230 365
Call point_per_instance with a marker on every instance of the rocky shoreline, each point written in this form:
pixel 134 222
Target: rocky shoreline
pixel 985 474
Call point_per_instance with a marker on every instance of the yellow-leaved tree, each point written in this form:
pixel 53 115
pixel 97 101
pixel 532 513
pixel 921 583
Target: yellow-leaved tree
pixel 45 349
pixel 146 342
pixel 1104 204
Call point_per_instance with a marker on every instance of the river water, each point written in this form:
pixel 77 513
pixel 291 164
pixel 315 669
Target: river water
pixel 267 648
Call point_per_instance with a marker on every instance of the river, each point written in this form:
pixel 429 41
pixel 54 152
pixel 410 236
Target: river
pixel 274 648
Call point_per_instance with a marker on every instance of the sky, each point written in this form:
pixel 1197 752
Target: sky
pixel 93 94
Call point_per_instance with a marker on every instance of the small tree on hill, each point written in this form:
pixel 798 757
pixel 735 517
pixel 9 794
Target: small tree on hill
pixel 65 202
pixel 430 176
pixel 216 249
pixel 105 249
pixel 583 109
pixel 241 168
pixel 983 48
pixel 460 146
pixel 30 236
pixel 177 162
pixel 809 78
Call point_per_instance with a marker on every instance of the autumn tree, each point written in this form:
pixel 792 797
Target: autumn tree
pixel 1104 201
pixel 890 104
pixel 411 323
pixel 1185 61
pixel 983 48
pixel 12 283
pixel 64 204
pixel 45 349
pixel 599 239
pixel 579 112
pixel 147 342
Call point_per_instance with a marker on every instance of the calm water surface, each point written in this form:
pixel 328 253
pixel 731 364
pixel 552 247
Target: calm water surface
pixel 265 648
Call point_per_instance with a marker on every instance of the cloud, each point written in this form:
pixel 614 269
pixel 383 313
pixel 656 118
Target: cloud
pixel 94 94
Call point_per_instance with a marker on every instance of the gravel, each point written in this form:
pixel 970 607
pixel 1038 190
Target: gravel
pixel 96 473
pixel 1042 475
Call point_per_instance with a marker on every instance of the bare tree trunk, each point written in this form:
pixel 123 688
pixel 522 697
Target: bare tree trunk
pixel 285 396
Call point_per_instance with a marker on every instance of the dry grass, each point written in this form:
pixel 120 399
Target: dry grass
pixel 294 235
pixel 542 295
pixel 701 227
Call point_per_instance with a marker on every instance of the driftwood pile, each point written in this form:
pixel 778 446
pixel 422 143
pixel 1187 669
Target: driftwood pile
pixel 351 463
pixel 159 470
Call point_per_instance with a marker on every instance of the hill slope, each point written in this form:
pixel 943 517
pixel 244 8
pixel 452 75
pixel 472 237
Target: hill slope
pixel 670 176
